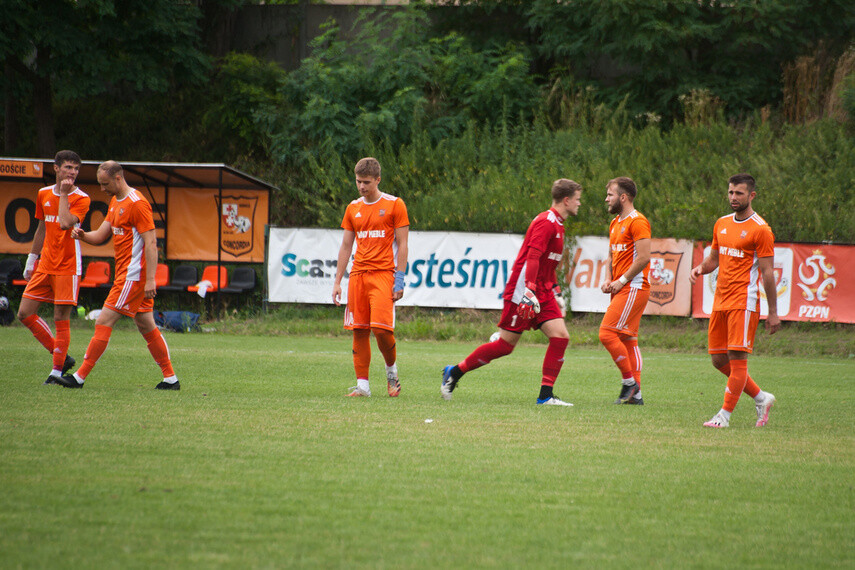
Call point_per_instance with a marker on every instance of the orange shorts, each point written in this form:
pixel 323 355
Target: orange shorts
pixel 369 301
pixel 56 289
pixel 625 310
pixel 128 298
pixel 732 330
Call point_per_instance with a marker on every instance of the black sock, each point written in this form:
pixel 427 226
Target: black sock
pixel 456 373
pixel 545 392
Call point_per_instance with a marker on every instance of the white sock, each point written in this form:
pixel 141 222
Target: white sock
pixel 171 380
pixel 56 373
pixel 362 384
pixel 78 378
pixel 758 399
pixel 637 395
pixel 392 370
pixel 628 381
pixel 725 414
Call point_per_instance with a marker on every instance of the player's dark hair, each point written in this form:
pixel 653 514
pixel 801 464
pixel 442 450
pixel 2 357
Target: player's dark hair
pixel 624 184
pixel 64 156
pixel 368 166
pixel 743 178
pixel 564 188
pixel 111 167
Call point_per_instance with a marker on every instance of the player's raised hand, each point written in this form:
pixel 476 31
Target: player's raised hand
pixel 66 186
pixel 529 305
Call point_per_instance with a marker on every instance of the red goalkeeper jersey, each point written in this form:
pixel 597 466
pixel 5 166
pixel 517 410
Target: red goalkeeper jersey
pixel 538 257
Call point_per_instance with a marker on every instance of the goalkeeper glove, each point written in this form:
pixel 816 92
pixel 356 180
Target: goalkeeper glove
pixel 31 265
pixel 399 282
pixel 529 305
pixel 559 298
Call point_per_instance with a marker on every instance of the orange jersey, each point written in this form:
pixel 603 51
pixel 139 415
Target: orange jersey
pixel 740 243
pixel 623 233
pixel 130 217
pixel 60 253
pixel 374 226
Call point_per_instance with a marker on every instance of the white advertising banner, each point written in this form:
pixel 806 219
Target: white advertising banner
pixel 445 269
pixel 670 264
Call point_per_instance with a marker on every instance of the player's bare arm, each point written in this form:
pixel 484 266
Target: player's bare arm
pixel 607 280
pixel 401 239
pixel 35 250
pixel 708 265
pixel 642 249
pixel 150 252
pixel 767 274
pixel 343 257
pixel 66 218
pixel 95 237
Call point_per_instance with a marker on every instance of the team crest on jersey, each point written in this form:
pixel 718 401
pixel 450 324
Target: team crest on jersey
pixel 743 234
pixel 121 211
pixel 663 276
pixel 237 219
pixel 382 213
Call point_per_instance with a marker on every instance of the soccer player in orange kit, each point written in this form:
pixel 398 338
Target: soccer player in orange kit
pixel 130 222
pixel 628 284
pixel 56 278
pixel 743 251
pixel 379 225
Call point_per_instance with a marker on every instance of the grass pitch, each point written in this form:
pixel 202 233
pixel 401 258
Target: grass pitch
pixel 260 461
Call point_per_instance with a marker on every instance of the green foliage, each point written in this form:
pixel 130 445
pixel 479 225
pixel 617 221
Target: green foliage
pixel 391 80
pixel 242 90
pixel 658 51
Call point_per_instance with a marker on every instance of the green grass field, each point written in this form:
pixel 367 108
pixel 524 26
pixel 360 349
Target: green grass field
pixel 261 462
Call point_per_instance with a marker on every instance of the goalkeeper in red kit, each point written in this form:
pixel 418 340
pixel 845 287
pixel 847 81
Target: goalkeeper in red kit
pixel 532 297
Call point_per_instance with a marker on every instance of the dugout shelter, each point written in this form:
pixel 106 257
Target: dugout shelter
pixel 202 212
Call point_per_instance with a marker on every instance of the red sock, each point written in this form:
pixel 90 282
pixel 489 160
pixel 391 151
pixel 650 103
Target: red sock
pixel 635 360
pixel 553 360
pixel 96 348
pixel 160 351
pixel 735 383
pixel 485 354
pixel 751 387
pixel 361 352
pixel 40 330
pixel 61 342
pixel 386 344
pixel 613 344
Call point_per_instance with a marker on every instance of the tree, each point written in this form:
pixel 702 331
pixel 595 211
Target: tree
pixel 659 50
pixel 66 49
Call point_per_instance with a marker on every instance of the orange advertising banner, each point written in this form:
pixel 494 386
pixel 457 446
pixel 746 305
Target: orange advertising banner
pixel 670 263
pixel 21 168
pixel 815 282
pixel 195 217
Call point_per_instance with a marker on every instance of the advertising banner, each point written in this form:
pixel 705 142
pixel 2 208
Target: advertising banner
pixel 445 269
pixel 814 283
pixel 670 263
pixel 195 213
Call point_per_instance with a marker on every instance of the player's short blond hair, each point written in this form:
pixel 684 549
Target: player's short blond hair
pixel 564 188
pixel 368 166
